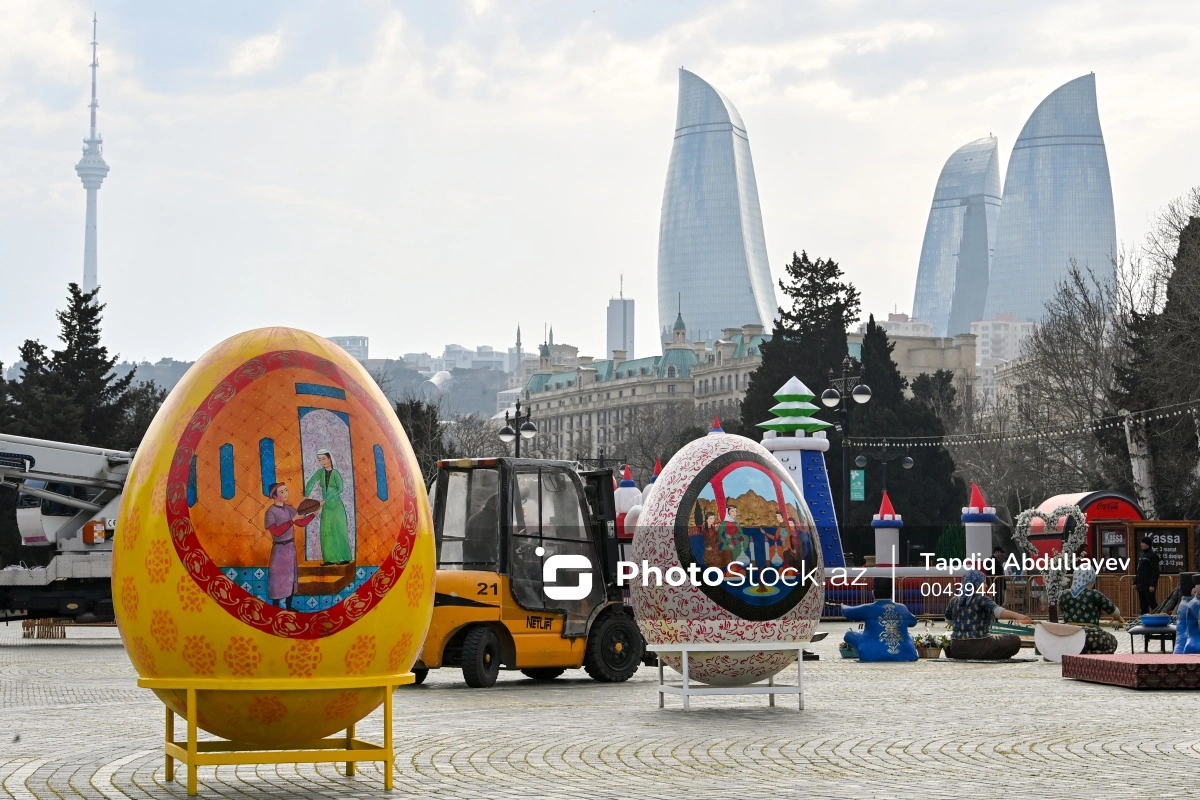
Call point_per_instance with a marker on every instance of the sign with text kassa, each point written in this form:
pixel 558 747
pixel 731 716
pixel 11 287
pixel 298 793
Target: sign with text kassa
pixel 1171 544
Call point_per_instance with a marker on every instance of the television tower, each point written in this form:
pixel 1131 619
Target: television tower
pixel 92 170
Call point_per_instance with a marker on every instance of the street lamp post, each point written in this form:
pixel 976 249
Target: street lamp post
pixel 518 427
pixel 839 393
pixel 883 456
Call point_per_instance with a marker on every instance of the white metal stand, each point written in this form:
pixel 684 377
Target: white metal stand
pixel 686 689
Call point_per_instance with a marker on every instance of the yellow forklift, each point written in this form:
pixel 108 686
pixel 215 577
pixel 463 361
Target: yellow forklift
pixel 527 573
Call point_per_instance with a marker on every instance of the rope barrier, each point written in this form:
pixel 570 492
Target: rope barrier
pixel 987 437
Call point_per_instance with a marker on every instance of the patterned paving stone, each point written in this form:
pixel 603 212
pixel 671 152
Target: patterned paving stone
pixel 73 724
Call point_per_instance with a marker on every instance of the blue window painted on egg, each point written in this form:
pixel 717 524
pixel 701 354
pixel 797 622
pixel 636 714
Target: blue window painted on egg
pixel 381 490
pixel 266 464
pixel 191 486
pixel 320 390
pixel 227 474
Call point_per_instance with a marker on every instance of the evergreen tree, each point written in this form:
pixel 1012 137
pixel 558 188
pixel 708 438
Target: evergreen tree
pixel 929 496
pixel 144 402
pixel 937 391
pixel 72 394
pixel 421 422
pixel 1162 371
pixel 809 336
pixel 5 406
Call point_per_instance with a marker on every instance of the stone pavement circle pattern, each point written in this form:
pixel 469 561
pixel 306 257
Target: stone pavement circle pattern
pixel 869 730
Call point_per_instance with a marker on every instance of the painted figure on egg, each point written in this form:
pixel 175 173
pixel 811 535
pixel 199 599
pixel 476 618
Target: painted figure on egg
pixel 283 570
pixel 733 536
pixel 775 539
pixel 335 541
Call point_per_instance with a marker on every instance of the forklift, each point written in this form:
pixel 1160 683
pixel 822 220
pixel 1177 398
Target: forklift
pixel 527 573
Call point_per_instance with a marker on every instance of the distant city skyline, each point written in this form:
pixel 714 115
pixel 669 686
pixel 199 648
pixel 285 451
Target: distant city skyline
pixel 428 173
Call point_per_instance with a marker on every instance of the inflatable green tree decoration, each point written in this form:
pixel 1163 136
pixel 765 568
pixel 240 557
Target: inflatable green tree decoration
pixel 793 412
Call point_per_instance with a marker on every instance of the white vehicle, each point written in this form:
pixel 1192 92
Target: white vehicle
pixel 68 496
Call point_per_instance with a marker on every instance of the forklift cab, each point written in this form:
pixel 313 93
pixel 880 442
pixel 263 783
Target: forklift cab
pixel 498 523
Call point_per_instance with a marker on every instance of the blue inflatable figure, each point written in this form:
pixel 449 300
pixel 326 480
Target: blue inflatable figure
pixel 1187 628
pixel 885 635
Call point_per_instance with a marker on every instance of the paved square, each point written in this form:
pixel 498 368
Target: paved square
pixel 73 724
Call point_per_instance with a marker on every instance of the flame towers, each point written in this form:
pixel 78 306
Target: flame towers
pixel 712 254
pixel 92 170
pixel 956 256
pixel 1058 205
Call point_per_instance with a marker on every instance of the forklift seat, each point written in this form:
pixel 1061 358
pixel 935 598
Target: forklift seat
pixel 482 534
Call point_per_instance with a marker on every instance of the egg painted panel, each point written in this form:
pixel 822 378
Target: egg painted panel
pixel 743 518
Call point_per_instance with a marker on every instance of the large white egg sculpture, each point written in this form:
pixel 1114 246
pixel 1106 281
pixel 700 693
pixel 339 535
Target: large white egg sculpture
pixel 724 504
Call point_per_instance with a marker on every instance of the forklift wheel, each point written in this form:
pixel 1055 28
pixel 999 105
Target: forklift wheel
pixel 420 675
pixel 543 673
pixel 481 658
pixel 614 648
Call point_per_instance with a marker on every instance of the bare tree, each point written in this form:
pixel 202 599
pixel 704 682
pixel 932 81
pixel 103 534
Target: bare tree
pixel 1068 372
pixel 1162 241
pixel 656 432
pixel 472 436
pixel 995 458
pixel 384 381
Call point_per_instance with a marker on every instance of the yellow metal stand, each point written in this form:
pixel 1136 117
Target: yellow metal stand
pixel 337 749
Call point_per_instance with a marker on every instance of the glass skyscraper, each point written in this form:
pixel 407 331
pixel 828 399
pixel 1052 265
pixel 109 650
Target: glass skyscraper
pixel 712 255
pixel 956 256
pixel 1058 205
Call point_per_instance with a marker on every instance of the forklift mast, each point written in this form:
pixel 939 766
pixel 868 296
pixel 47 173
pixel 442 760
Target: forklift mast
pixel 598 486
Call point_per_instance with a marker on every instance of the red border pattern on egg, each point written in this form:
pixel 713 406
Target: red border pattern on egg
pixel 239 603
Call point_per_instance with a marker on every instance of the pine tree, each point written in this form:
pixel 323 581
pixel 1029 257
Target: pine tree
pixel 5 406
pixel 1161 371
pixel 421 422
pixel 144 402
pixel 809 336
pixel 72 394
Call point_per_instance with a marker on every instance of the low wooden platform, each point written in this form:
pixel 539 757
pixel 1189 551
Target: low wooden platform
pixel 1136 671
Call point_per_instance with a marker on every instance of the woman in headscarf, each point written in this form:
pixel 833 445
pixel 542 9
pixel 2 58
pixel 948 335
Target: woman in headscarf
pixel 335 537
pixel 1082 606
pixel 970 615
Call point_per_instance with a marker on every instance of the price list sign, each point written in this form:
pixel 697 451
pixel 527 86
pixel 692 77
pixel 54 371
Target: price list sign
pixel 1171 544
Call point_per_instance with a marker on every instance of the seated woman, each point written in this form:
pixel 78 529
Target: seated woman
pixel 1082 606
pixel 884 636
pixel 970 615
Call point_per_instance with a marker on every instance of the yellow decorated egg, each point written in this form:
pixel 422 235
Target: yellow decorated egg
pixel 274 528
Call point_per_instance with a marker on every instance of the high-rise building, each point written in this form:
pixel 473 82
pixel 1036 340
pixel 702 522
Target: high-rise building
pixel 92 170
pixel 357 346
pixel 952 279
pixel 712 254
pixel 1058 205
pixel 620 325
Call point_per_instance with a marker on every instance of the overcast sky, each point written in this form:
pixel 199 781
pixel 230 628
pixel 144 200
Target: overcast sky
pixel 425 173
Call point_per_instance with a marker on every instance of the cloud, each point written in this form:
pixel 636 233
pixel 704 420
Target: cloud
pixel 428 175
pixel 256 54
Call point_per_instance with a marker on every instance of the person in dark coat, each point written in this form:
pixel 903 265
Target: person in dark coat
pixel 1146 579
pixel 998 579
